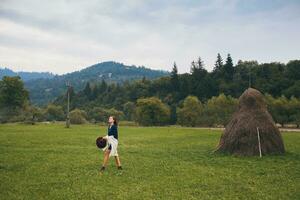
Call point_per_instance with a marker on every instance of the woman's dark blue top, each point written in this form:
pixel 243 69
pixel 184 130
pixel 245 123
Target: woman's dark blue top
pixel 113 130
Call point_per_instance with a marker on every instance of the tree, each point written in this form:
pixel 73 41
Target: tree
pixel 278 108
pixel 118 114
pixel 293 69
pixel 228 68
pixel 13 93
pixel 274 78
pixel 197 68
pixel 102 87
pixel 33 114
pixel 129 110
pixel 190 113
pixel 218 110
pixel 78 116
pixel 293 90
pixel 88 91
pixel 54 112
pixel 151 111
pixel 294 107
pixel 201 82
pixel 174 78
pixel 217 72
pixel 13 98
pixel 98 114
pixel 219 64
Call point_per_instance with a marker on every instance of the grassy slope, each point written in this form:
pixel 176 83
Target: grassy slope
pixel 52 162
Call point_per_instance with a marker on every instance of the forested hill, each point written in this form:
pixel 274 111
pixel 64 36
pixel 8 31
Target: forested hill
pixel 44 90
pixel 25 76
pixel 276 79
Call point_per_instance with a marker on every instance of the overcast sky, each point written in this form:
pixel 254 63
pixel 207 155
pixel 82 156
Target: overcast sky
pixel 66 35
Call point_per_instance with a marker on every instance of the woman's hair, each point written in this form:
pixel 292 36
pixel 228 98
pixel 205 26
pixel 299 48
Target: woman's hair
pixel 115 120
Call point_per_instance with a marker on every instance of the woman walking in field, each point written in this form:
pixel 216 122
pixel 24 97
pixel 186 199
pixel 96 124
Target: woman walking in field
pixel 112 140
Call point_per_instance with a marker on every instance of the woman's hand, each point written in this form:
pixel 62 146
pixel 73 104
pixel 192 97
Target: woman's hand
pixel 105 137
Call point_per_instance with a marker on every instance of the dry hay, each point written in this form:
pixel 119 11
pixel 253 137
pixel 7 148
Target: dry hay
pixel 240 136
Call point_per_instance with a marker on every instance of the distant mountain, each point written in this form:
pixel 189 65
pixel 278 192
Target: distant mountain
pixel 44 90
pixel 25 76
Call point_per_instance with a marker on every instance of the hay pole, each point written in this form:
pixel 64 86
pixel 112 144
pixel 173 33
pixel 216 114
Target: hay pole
pixel 259 146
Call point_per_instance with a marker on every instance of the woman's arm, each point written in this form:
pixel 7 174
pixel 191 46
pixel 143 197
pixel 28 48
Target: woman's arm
pixel 115 131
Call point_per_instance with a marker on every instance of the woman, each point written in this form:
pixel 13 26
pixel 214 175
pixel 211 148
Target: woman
pixel 112 140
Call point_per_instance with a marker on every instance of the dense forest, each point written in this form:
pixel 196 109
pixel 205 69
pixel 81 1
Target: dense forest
pixel 198 98
pixel 44 90
pixel 275 79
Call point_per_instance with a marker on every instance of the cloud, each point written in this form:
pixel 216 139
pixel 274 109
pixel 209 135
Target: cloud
pixel 63 36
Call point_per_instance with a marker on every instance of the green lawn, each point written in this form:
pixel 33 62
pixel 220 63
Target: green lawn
pixel 52 162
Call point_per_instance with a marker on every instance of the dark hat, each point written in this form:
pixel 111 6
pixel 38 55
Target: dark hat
pixel 100 142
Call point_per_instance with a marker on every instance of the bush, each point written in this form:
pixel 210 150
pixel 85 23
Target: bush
pixel 284 110
pixel 278 108
pixel 219 110
pixel 99 114
pixel 294 106
pixel 190 113
pixel 128 123
pixel 152 112
pixel 78 116
pixel 129 110
pixel 54 113
pixel 33 114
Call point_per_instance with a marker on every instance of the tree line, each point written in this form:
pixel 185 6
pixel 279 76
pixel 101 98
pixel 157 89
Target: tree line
pixel 198 98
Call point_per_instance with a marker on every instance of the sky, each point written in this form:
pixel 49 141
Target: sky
pixel 62 36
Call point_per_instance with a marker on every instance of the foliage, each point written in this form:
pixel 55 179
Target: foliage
pixel 54 113
pixel 44 90
pixel 13 93
pixel 129 110
pixel 99 114
pixel 151 112
pixel 13 99
pixel 190 113
pixel 218 110
pixel 78 116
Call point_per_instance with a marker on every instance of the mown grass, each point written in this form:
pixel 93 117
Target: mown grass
pixel 52 162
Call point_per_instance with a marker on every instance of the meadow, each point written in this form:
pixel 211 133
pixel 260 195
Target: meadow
pixel 49 161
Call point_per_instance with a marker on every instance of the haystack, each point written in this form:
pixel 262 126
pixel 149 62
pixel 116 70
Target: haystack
pixel 240 136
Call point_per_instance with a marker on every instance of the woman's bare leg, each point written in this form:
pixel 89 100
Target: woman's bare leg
pixel 118 162
pixel 106 157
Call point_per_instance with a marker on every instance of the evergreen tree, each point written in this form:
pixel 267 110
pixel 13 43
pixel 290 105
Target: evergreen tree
pixel 219 63
pixel 174 78
pixel 199 80
pixel 228 68
pixel 88 91
pixel 197 67
pixel 103 87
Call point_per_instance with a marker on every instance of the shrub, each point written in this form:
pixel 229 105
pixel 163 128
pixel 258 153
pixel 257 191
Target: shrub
pixel 151 112
pixel 78 116
pixel 54 112
pixel 218 110
pixel 190 113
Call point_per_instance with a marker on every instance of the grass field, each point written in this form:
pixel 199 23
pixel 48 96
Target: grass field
pixel 52 162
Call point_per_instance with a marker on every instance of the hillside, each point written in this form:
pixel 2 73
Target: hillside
pixel 44 90
pixel 26 76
